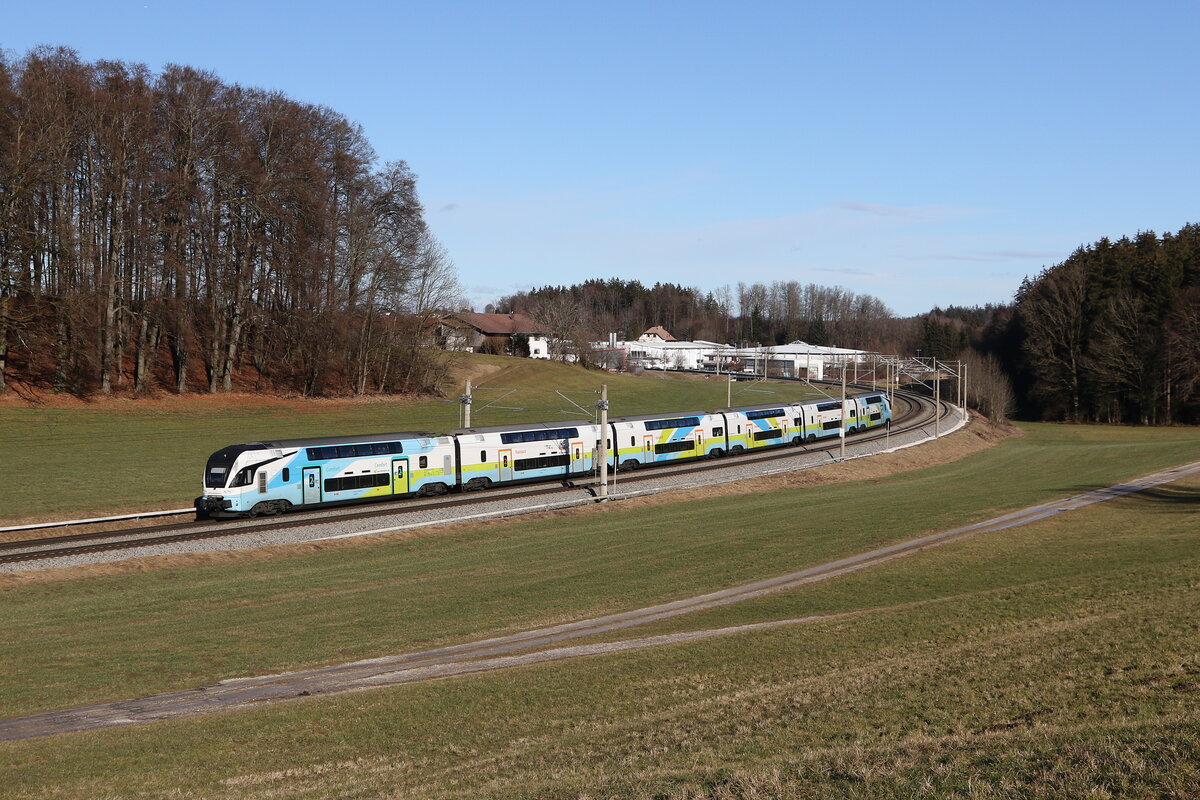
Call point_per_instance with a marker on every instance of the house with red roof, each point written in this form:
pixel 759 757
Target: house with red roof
pixel 492 333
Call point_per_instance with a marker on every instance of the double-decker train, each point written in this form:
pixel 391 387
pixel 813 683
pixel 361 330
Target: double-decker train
pixel 272 477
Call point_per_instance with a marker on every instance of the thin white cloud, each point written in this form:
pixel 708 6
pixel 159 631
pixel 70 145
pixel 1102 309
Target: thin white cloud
pixel 913 213
pixel 993 256
pixel 881 210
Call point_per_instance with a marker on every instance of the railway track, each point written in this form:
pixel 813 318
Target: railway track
pixel 918 412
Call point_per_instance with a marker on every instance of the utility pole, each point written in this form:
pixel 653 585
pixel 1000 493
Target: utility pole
pixel 937 403
pixel 843 431
pixel 466 402
pixel 603 406
pixel 963 380
pixel 729 392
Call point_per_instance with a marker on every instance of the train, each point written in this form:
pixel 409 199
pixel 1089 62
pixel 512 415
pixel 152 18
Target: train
pixel 266 478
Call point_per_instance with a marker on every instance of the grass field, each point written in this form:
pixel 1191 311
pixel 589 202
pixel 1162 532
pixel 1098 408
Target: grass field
pixel 121 455
pixel 1056 660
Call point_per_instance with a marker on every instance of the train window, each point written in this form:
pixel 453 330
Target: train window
pixel 380 449
pixel 482 456
pixel 632 442
pixel 719 431
pixel 875 399
pixel 343 450
pixel 424 462
pixel 765 414
pixel 543 462
pixel 832 425
pixel 828 406
pixel 539 436
pixel 677 422
pixel 287 475
pixel 352 482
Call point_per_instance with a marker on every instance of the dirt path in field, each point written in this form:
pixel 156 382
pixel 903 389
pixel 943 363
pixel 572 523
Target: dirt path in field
pixel 526 648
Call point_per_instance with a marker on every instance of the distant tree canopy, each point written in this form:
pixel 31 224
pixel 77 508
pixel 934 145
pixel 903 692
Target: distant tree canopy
pixel 756 313
pixel 1110 334
pixel 151 217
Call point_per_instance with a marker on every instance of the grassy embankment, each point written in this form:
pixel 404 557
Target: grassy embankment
pixel 1053 660
pixel 122 455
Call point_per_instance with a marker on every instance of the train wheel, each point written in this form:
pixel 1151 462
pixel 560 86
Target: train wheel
pixel 630 464
pixel 737 450
pixel 812 437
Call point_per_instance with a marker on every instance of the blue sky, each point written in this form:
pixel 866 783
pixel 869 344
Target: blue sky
pixel 929 153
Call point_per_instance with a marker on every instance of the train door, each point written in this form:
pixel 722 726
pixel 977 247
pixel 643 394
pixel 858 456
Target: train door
pixel 399 476
pixel 575 460
pixel 506 464
pixel 312 485
pixel 648 449
pixel 699 441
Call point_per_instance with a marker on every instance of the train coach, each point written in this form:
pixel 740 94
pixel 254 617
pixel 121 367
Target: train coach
pixel 529 452
pixel 658 438
pixel 274 477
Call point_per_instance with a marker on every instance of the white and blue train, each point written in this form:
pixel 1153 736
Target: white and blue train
pixel 272 477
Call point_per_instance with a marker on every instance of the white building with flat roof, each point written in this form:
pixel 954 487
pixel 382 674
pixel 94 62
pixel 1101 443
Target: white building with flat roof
pixel 793 360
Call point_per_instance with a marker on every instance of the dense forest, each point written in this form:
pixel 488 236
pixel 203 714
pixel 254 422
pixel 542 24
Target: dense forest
pixel 1112 334
pixel 175 232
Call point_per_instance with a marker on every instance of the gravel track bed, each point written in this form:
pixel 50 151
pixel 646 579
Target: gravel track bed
pixel 635 484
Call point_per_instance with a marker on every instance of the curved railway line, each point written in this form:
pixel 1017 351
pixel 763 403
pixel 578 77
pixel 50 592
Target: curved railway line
pixel 918 412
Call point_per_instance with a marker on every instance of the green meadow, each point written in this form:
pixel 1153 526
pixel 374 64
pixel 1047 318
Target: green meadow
pixel 1054 660
pixel 114 456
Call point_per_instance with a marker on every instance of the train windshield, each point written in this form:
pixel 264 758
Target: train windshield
pixel 216 471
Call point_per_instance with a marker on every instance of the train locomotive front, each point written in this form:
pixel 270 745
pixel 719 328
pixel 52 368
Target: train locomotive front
pixel 272 477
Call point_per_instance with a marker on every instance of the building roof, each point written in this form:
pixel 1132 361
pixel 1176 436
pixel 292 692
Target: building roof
pixel 496 324
pixel 797 348
pixel 660 332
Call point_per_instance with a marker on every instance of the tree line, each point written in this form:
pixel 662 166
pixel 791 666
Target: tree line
pixel 755 313
pixel 1112 334
pixel 172 231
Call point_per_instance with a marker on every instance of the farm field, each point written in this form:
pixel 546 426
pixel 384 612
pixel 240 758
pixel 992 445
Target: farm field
pixel 71 457
pixel 1053 660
